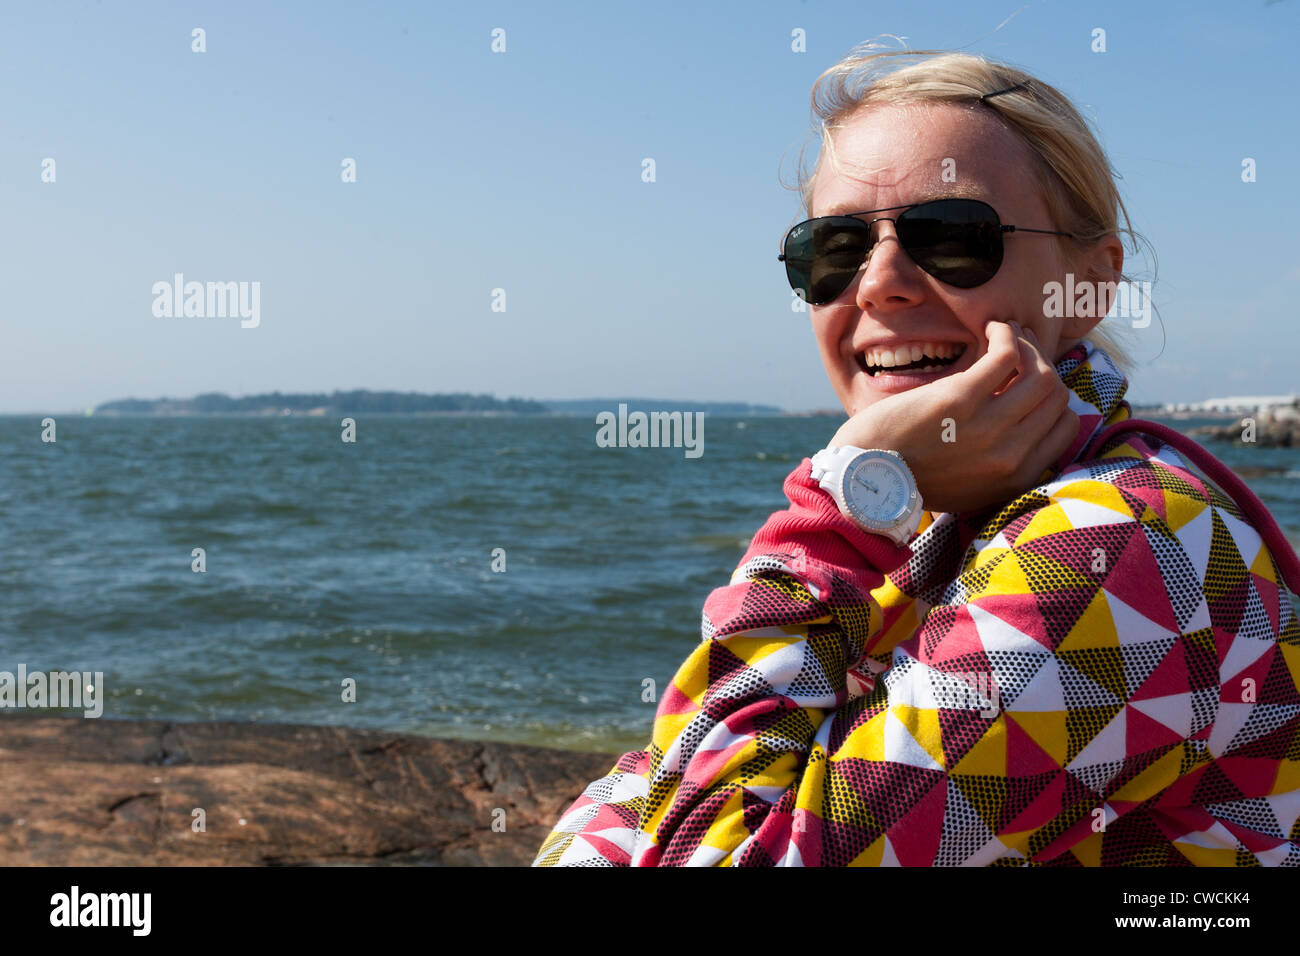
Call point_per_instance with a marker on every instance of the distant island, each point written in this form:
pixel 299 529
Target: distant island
pixel 588 407
pixel 363 401
pixel 357 401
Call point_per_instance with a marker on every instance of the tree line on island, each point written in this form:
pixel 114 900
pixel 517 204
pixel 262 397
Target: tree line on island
pixel 363 401
pixel 357 400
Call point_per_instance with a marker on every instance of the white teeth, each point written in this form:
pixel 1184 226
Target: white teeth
pixel 881 357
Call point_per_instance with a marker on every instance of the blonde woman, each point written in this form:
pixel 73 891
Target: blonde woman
pixel 1000 623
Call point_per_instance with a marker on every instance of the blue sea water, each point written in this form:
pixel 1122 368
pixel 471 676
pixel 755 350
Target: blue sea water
pixel 374 561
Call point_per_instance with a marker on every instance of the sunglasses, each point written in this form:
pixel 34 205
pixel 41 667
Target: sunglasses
pixel 958 241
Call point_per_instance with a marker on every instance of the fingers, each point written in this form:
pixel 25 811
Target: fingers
pixel 1042 414
pixel 1033 413
pixel 1001 360
pixel 1033 385
pixel 1062 434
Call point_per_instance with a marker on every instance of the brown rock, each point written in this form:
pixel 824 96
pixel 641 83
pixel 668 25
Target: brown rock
pixel 121 793
pixel 1270 432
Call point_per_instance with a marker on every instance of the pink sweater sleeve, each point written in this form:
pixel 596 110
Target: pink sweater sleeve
pixel 735 726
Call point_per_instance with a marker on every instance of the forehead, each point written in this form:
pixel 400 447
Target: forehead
pixel 893 155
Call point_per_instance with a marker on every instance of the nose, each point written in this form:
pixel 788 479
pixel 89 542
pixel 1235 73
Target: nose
pixel 889 278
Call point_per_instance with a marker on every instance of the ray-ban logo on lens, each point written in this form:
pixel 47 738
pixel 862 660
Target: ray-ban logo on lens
pixel 208 300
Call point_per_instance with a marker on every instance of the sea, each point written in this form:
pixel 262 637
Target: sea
pixel 473 576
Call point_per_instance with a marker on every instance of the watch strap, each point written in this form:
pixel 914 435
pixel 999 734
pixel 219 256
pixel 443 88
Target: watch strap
pixel 829 463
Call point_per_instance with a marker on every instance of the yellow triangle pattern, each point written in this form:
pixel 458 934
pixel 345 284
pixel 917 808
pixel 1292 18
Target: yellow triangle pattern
pixel 1153 779
pixel 1095 627
pixel 988 758
pixel 1181 510
pixel 1047 729
pixel 1046 521
pixel 728 830
pixel 923 724
pixel 1088 850
pixel 1205 855
pixel 1096 493
pixel 872 855
pixel 1263 566
pixel 867 740
pixel 1007 578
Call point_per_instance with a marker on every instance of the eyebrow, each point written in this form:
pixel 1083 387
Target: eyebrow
pixel 952 192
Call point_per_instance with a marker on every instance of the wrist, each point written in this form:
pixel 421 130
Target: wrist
pixel 815 527
pixel 863 432
pixel 871 487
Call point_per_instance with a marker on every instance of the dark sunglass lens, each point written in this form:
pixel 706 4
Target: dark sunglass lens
pixel 958 241
pixel 823 255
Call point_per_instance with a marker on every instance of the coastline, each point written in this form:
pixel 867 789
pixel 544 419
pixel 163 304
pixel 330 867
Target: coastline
pixel 111 792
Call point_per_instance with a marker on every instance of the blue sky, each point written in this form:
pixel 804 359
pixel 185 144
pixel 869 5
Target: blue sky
pixel 522 171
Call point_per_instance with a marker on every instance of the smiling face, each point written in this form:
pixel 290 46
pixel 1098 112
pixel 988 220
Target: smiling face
pixel 894 314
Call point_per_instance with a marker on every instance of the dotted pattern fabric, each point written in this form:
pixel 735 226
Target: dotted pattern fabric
pixel 1101 672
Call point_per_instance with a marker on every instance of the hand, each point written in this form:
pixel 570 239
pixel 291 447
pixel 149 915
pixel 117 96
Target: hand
pixel 1002 436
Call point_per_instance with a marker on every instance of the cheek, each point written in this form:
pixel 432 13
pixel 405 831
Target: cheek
pixel 975 308
pixel 1011 294
pixel 829 332
pixel 1034 290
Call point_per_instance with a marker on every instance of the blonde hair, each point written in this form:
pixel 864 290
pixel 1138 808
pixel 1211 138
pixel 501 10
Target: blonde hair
pixel 1076 177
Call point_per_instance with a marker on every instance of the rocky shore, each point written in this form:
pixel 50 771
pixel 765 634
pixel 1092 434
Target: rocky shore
pixel 124 793
pixel 1271 427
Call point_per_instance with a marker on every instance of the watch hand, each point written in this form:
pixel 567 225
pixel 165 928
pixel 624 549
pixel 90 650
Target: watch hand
pixel 864 481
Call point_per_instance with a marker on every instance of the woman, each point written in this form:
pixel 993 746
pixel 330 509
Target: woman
pixel 992 628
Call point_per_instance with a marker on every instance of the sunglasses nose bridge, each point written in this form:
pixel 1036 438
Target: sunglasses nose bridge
pixel 876 236
pixel 895 268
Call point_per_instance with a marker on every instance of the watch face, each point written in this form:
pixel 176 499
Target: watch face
pixel 876 489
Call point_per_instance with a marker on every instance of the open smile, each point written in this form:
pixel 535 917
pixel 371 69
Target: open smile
pixel 898 367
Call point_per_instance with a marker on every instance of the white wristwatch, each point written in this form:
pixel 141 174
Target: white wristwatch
pixel 873 487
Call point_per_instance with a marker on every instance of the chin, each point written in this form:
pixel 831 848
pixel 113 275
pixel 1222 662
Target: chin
pixel 858 403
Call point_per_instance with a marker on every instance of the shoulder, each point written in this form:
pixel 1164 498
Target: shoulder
pixel 1143 480
pixel 1138 527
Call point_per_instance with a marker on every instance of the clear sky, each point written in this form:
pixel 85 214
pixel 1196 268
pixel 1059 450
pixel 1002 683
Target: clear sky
pixel 522 171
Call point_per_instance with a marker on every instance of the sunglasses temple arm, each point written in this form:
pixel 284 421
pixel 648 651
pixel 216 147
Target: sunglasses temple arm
pixel 1044 232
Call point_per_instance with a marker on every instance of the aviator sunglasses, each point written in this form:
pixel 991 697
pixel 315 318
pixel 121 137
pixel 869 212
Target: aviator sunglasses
pixel 958 241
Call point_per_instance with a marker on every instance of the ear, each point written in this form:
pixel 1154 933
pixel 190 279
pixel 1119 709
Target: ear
pixel 1102 266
